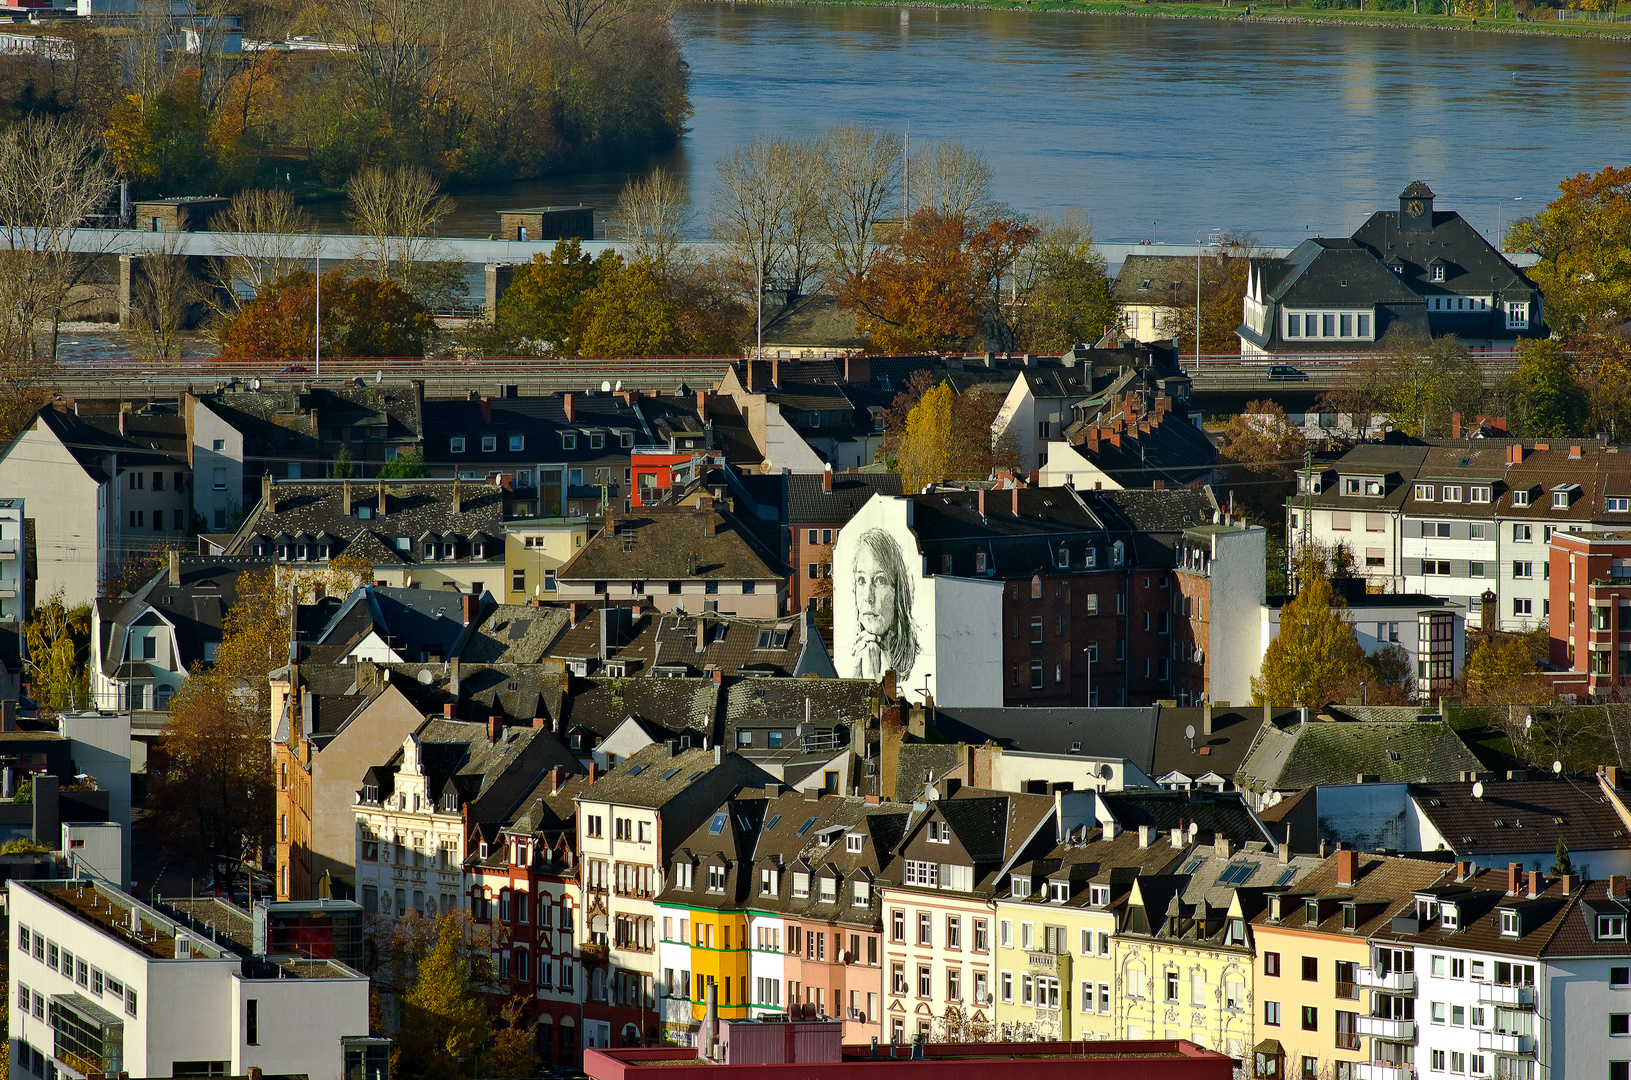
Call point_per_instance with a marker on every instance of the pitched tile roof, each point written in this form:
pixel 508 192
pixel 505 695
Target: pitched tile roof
pixel 1088 732
pixel 196 607
pixel 1301 755
pixel 1522 815
pixel 660 541
pixel 808 503
pixel 1221 752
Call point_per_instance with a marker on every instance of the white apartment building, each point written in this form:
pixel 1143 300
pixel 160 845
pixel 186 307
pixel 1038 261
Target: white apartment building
pixel 105 984
pixel 410 838
pixel 1459 519
pixel 13 562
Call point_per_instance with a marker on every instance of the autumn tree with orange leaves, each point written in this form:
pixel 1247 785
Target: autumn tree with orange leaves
pixel 361 317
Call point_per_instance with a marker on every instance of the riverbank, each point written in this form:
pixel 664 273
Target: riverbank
pixel 1264 13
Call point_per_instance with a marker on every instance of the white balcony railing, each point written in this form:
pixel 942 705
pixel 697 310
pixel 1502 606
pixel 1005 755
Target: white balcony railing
pixel 1506 1044
pixel 1506 995
pixel 1387 1028
pixel 1379 1070
pixel 1401 981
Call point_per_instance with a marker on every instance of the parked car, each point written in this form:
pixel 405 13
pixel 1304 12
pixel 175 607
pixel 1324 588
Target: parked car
pixel 1287 373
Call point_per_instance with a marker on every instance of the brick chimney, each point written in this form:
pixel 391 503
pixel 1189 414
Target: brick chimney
pixel 345 497
pixel 1574 453
pixel 594 771
pixel 448 709
pixel 266 492
pixel 458 495
pixel 495 726
pixel 1222 846
pixel 858 369
pixel 980 501
pixel 1611 776
pixel 608 521
pixel 538 722
pixel 1512 870
pixel 1536 885
pixel 719 676
pixel 471 607
pixel 826 479
pixel 1616 887
pixel 702 405
pixel 1569 882
pixel 1455 425
pixel 706 505
pixel 1347 868
pixel 175 568
pixel 571 413
pixel 382 509
pixel 1158 485
pixel 1014 492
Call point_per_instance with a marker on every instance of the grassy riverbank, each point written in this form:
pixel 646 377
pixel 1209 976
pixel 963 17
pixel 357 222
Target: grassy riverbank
pixel 1273 12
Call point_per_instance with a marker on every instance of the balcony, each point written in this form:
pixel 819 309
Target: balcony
pixel 1495 994
pixel 1501 1042
pixel 1381 1070
pixel 1402 982
pixel 1387 1028
pixel 8 550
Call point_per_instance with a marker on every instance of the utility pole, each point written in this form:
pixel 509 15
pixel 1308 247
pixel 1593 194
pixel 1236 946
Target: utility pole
pixel 1306 533
pixel 906 174
pixel 317 331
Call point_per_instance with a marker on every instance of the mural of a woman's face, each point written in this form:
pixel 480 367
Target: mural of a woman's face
pixel 874 592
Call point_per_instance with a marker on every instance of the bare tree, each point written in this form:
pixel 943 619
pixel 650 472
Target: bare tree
pixel 577 23
pixel 165 295
pixel 952 179
pixel 863 174
pixel 749 205
pixel 397 215
pixel 798 167
pixel 265 234
pixel 53 177
pixel 406 51
pixel 651 213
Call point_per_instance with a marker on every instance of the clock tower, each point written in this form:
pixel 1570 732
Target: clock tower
pixel 1416 208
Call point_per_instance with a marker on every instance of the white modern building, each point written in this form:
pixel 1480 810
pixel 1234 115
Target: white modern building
pixel 13 563
pixel 105 984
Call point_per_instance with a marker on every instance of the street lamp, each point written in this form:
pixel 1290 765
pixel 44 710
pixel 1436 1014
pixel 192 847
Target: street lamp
pixel 1500 238
pixel 1214 233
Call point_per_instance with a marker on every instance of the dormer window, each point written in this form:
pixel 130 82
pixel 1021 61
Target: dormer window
pixel 518 442
pixel 569 440
pixel 1509 924
pixel 829 890
pixel 1311 912
pixel 1350 485
pixel 853 842
pixel 1020 886
pixel 801 885
pixel 1098 895
pixel 1520 498
pixel 1059 891
pixel 626 439
pixel 1118 553
pixel 489 443
pixel 862 893
pixel 1611 928
pixel 1438 271
pixel 597 440
pixel 1424 491
pixel 1562 495
pixel 1063 556
pixel 1426 910
pixel 1449 917
pixel 455 444
pixel 767 882
pixel 682 875
pixel 716 879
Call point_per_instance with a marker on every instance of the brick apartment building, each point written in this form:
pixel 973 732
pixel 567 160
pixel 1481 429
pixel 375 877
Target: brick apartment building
pixel 1591 613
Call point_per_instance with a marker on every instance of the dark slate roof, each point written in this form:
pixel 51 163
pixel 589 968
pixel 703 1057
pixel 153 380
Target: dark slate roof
pixel 1165 275
pixel 1480 898
pixel 1221 752
pixel 651 778
pixel 726 838
pixel 661 540
pixel 1115 733
pixel 992 825
pixel 1215 813
pixel 416 623
pixel 787 843
pixel 1293 757
pixel 1521 815
pixel 282 424
pixel 539 422
pixel 773 702
pixel 515 634
pixel 91 447
pixel 153 435
pixel 731 432
pixel 921 765
pixel 414 508
pixel 1383 886
pixel 196 608
pixel 677 705
pixel 808 503
pixel 492 778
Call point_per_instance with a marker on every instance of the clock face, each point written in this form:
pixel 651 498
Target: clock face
pixel 1414 208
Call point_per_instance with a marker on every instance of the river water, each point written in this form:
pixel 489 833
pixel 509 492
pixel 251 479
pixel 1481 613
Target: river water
pixel 1156 127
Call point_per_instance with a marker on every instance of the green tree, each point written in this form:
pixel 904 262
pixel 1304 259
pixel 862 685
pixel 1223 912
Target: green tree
pixel 630 312
pixel 1264 451
pixel 1314 654
pixel 343 466
pixel 59 640
pixel 1560 859
pixel 542 300
pixel 1549 402
pixel 444 1017
pixel 407 465
pixel 1427 380
pixel 1501 671
pixel 1071 301
pixel 1583 238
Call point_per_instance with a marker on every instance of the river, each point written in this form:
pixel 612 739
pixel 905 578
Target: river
pixel 1158 128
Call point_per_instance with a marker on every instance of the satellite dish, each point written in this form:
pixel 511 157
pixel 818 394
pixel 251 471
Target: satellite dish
pixel 605 386
pixel 1194 829
pixel 1478 790
pixel 620 384
pixel 425 677
pixel 379 377
pixel 254 384
pixel 1105 772
pixel 1557 767
pixel 1189 732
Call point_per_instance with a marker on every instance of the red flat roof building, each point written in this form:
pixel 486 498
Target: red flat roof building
pixel 1153 1059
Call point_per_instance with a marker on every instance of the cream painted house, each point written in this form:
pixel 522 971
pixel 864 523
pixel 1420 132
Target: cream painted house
pixel 534 548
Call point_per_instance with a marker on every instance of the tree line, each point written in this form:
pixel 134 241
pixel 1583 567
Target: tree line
pixel 473 93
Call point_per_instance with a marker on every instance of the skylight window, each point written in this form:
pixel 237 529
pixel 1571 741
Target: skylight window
pixel 637 770
pixel 806 826
pixel 1236 874
pixel 718 824
pixel 771 824
pixel 670 774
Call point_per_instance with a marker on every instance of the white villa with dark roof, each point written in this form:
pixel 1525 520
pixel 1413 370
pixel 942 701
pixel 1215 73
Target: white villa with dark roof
pixel 1428 272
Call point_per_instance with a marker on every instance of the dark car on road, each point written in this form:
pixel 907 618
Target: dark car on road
pixel 1287 373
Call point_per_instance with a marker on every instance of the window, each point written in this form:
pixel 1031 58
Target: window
pixel 1438 271
pixel 925 984
pixel 1451 493
pixel 1619 1023
pixel 1424 491
pixel 897 925
pixel 518 442
pixel 1311 1018
pixel 1520 498
pixel 1523 569
pixel 1435 567
pixel 1618 504
pixel 1517 316
pixel 1611 927
pixel 1311 970
pixel 1271 1013
pixel 455 444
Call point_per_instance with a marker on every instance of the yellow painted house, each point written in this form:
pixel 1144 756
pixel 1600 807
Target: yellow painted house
pixel 534 548
pixel 1056 925
pixel 1185 957
pixel 1319 994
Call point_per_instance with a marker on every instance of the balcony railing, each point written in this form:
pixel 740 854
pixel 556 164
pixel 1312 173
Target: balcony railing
pixel 1400 981
pixel 1506 1044
pixel 1381 1070
pixel 1387 1028
pixel 1348 991
pixel 1496 994
pixel 1348 1040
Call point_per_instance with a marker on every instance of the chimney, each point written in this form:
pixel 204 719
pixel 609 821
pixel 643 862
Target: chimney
pixel 1455 425
pixel 538 722
pixel 124 418
pixel 1146 836
pixel 448 709
pixel 471 607
pixel 1158 485
pixel 858 369
pixel 709 526
pixel 889 688
pixel 1206 718
pixel 1285 847
pixel 1463 869
pixel 1512 870
pixel 577 610
pixel 1616 886
pixel 1222 847
pixel 266 492
pixel 1611 776
pixel 1177 836
pixel 702 405
pixel 495 725
pixel 826 479
pixel 1569 882
pixel 710 1023
pixel 719 676
pixel 571 414
pixel 1574 452
pixel 557 776
pixel 381 510
pixel 1325 849
pixel 608 521
pixel 691 564
pixel 254 1073
pixel 1347 868
pixel 594 771
pixel 458 496
pixel 1016 498
pixel 345 497
pixel 980 501
pixel 175 568
pixel 1536 885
